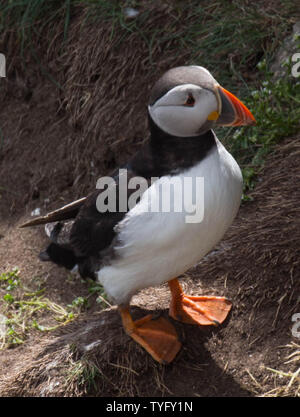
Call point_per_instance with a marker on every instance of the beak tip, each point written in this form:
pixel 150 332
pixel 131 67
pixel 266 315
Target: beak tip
pixel 252 122
pixel 239 112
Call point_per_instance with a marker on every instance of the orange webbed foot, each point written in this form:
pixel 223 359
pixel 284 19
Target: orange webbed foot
pixel 203 310
pixel 157 336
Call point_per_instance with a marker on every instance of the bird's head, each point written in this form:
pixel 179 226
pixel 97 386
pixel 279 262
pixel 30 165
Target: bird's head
pixel 187 101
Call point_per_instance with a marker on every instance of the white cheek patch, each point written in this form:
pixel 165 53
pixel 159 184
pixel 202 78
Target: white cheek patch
pixel 176 120
pixel 173 117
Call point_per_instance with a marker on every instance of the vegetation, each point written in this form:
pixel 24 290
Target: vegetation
pixel 23 310
pixel 275 105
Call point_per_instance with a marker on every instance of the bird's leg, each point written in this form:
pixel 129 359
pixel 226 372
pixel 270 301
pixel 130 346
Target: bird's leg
pixel 157 337
pixel 203 310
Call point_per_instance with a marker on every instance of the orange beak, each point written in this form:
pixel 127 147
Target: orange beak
pixel 234 112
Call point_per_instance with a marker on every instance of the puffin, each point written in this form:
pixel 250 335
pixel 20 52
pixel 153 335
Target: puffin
pixel 132 248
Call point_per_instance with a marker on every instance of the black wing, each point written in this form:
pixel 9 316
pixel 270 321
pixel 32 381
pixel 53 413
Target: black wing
pixel 81 240
pixel 93 231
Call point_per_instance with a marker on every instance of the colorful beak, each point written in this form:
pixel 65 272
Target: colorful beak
pixel 234 112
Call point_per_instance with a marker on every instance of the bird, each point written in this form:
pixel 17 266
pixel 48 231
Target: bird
pixel 134 248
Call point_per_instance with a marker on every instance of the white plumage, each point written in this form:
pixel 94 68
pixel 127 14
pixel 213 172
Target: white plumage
pixel 156 247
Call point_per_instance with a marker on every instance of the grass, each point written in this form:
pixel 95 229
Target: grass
pixel 291 387
pixel 275 105
pixel 83 374
pixel 30 17
pixel 227 37
pixel 23 310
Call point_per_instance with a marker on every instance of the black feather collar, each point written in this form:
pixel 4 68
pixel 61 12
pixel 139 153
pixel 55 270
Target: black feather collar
pixel 166 154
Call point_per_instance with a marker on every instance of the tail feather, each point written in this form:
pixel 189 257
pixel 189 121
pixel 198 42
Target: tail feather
pixel 59 255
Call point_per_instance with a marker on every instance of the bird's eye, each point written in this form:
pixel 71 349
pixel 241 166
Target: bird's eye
pixel 190 101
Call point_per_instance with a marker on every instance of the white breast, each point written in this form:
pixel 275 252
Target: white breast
pixel 155 247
